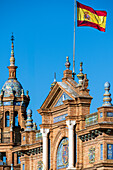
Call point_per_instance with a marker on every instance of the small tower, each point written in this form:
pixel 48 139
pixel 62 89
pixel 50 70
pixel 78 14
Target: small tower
pixel 13 103
pixel 107 99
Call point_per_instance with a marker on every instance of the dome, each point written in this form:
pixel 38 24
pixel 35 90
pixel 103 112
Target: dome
pixel 10 86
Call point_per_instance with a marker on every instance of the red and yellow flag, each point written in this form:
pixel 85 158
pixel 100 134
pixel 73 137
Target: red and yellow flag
pixel 87 16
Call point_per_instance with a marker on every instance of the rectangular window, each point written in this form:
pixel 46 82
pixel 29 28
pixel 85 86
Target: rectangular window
pixel 109 151
pixel 23 167
pixel 101 152
pixel 3 157
pixel 16 118
pixel 101 115
pixel 23 138
pixel 18 160
pixel 7 119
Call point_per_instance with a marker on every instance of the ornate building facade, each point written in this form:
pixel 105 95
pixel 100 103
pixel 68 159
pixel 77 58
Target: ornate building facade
pixel 69 136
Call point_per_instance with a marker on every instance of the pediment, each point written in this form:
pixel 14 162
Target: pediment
pixel 63 97
pixel 60 92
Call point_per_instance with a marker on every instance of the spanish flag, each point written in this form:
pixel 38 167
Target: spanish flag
pixel 87 16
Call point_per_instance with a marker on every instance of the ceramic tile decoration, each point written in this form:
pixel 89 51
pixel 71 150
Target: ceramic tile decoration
pixel 59 118
pixel 62 98
pixel 91 155
pixel 40 165
pixel 109 151
pixel 62 154
pixel 109 114
pixel 38 136
pixel 11 86
pixel 92 119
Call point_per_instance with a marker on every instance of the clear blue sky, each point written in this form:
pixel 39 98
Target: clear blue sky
pixel 43 33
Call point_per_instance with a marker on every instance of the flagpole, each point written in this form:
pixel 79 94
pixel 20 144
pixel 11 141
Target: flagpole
pixel 74 40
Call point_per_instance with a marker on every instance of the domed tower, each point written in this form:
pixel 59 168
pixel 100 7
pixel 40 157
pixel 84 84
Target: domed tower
pixel 13 104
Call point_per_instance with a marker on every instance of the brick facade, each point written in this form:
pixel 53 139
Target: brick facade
pixel 65 115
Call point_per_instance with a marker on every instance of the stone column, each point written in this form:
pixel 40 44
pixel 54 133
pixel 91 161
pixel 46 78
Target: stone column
pixel 71 124
pixel 45 147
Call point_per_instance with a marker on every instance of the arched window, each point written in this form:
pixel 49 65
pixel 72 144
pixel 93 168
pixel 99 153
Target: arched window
pixel 7 119
pixel 16 118
pixel 63 154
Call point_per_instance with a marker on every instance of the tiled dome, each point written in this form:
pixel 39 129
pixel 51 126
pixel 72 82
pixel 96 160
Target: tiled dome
pixel 10 86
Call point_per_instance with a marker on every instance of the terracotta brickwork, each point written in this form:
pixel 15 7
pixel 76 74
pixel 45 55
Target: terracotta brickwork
pixel 69 136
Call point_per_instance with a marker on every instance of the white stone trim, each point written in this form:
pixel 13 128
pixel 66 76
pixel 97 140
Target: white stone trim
pixel 45 147
pixel 70 124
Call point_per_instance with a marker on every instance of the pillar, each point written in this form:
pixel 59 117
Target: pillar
pixel 45 147
pixel 70 124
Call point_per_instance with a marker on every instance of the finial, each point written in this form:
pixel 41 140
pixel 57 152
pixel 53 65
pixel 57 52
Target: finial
pixel 12 37
pixel 29 120
pixel 67 64
pixel 81 63
pixel 54 77
pixel 80 75
pixel 107 99
pixel 52 85
pixel 2 92
pixel 22 92
pixel 27 92
pixel 34 126
pixel 12 59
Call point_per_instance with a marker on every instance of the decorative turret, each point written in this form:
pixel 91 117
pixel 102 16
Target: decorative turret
pixel 29 121
pixel 80 75
pixel 12 86
pixel 107 99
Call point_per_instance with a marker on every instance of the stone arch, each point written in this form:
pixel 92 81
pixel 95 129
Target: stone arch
pixel 57 141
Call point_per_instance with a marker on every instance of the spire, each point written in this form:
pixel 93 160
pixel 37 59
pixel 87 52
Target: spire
pixel 12 68
pixel 107 99
pixel 80 75
pixel 12 59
